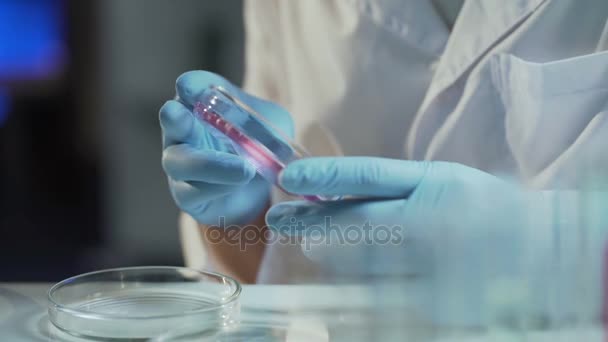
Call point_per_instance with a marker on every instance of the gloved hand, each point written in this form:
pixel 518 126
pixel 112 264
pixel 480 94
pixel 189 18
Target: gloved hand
pixel 471 247
pixel 206 180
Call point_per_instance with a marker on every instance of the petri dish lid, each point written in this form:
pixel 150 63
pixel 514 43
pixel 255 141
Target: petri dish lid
pixel 141 302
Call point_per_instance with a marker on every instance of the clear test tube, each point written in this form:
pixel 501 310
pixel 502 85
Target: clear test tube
pixel 250 134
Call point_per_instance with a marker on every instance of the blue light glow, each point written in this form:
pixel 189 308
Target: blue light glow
pixel 32 42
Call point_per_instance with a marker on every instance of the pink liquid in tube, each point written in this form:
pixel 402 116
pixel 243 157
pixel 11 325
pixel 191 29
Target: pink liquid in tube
pixel 265 162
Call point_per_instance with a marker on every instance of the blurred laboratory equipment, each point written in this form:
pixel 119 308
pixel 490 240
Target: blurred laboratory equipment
pixel 81 185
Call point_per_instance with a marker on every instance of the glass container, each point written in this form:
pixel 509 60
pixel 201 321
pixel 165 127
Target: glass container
pixel 141 302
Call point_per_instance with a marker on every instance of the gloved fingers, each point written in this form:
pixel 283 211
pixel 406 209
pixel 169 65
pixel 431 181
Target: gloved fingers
pixel 193 197
pixel 179 126
pixel 185 163
pixel 305 217
pixel 191 85
pixel 358 176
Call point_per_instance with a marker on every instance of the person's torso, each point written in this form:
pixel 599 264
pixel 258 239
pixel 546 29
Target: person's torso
pixel 519 88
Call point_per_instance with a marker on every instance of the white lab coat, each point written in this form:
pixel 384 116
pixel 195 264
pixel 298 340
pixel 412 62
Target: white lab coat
pixel 518 88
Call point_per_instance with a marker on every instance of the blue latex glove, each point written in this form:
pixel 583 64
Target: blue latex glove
pixel 469 245
pixel 206 179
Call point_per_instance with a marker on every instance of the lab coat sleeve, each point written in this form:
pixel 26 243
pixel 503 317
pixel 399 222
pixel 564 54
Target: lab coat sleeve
pixel 193 249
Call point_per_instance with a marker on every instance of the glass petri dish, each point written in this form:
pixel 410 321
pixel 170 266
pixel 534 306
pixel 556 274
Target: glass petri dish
pixel 142 302
pixel 249 134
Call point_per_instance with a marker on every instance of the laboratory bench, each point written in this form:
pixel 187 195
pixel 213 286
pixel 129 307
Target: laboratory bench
pixel 23 315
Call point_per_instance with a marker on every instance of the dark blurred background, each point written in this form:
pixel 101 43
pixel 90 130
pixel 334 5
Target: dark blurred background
pixel 81 82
